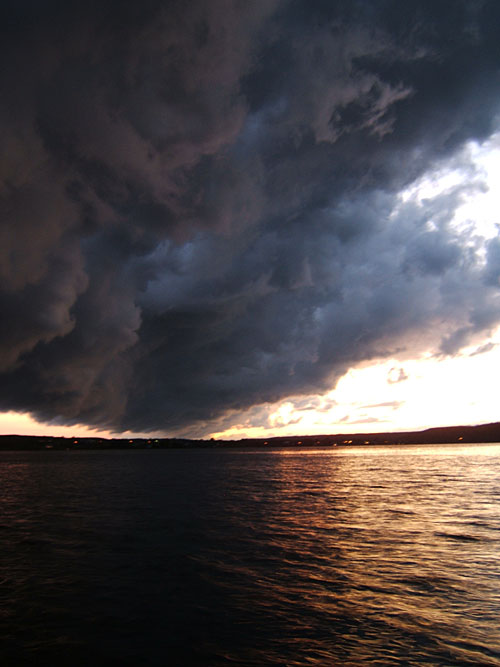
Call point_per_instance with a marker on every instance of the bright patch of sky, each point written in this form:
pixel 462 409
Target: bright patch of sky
pixel 477 170
pixel 391 396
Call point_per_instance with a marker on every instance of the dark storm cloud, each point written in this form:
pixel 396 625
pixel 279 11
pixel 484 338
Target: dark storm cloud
pixel 199 201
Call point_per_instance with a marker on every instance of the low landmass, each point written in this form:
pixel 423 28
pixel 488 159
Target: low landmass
pixel 447 434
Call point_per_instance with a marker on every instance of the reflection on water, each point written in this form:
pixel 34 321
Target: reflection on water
pixel 371 555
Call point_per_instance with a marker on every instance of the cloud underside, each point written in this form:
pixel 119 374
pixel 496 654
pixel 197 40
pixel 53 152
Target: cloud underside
pixel 201 203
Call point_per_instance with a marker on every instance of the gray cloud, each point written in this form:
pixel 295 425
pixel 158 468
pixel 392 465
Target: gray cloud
pixel 199 201
pixel 361 420
pixel 396 375
pixel 482 349
pixel 387 404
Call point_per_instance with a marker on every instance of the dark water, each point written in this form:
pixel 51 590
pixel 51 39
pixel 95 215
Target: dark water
pixel 347 557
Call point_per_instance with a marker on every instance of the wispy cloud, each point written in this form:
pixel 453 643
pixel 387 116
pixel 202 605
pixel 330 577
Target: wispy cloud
pixel 396 375
pixel 388 404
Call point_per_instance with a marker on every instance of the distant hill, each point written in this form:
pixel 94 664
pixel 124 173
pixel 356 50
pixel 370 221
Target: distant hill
pixel 446 434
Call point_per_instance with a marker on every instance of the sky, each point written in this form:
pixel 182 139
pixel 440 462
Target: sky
pixel 231 219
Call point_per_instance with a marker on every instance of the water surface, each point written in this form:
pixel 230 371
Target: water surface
pixel 355 556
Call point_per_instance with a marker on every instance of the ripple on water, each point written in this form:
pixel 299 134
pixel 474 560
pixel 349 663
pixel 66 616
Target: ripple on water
pixel 251 558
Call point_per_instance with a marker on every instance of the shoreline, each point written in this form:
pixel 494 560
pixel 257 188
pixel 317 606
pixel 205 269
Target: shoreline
pixel 483 433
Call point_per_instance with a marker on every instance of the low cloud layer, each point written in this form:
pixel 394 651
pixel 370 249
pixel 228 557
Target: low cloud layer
pixel 201 203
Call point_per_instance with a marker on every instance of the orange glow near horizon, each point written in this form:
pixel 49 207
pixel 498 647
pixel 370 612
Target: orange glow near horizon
pixel 15 423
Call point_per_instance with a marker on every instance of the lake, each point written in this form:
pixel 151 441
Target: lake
pixel 346 556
